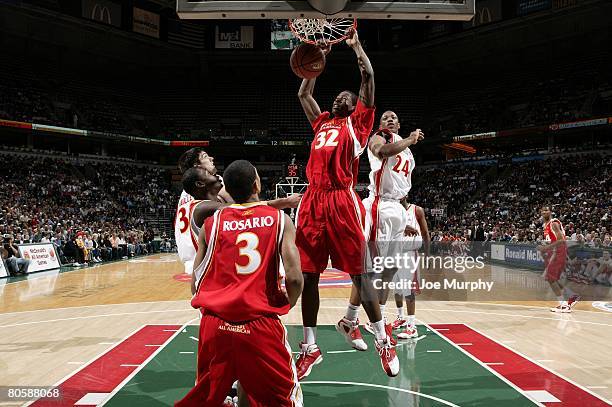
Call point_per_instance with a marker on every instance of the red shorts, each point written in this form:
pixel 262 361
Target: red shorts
pixel 554 263
pixel 330 224
pixel 255 353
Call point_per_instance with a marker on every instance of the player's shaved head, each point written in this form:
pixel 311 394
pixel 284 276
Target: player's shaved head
pixel 241 180
pixel 193 178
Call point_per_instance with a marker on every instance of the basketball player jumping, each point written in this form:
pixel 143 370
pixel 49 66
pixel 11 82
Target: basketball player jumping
pixel 237 281
pixel 330 216
pixel 555 256
pixel 392 164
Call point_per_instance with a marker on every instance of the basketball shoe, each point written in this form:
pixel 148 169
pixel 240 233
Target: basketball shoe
pixel 573 300
pixel 563 309
pixel 352 334
pixel 399 323
pixel 310 355
pixel 388 357
pixel 388 329
pixel 409 332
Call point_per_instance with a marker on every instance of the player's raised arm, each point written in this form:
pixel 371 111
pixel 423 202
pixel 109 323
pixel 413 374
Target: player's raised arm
pixel 366 92
pixel 381 149
pixel 308 102
pixel 294 281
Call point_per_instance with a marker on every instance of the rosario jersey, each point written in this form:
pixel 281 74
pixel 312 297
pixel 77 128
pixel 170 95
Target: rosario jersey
pixel 335 151
pixel 391 177
pixel 549 236
pixel 240 277
pixel 184 235
pixel 413 242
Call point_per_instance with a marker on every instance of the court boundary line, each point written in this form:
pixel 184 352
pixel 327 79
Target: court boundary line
pixel 92 267
pixel 528 306
pixel 89 306
pixel 381 386
pixel 96 316
pixel 482 364
pixel 98 356
pixel 542 366
pixel 145 363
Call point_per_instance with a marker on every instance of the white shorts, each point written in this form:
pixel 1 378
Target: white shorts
pixel 407 275
pixel 385 223
pixel 189 267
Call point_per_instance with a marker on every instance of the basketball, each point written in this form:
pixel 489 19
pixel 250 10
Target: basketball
pixel 307 61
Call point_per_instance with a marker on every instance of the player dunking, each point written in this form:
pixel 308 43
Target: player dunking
pixel 237 284
pixel 330 216
pixel 392 164
pixel 555 256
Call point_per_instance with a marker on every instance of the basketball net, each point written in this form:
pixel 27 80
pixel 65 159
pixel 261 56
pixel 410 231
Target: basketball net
pixel 320 31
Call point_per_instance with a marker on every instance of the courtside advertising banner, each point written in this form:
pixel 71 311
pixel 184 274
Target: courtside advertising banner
pixel 3 272
pixel 42 256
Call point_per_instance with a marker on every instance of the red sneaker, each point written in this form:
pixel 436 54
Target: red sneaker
pixel 399 323
pixel 388 357
pixel 388 328
pixel 352 334
pixel 389 331
pixel 409 332
pixel 573 300
pixel 309 356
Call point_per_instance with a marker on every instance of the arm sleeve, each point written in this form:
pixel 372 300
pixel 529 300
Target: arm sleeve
pixel 362 120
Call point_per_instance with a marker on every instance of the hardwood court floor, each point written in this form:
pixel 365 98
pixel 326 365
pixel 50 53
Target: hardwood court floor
pixel 53 324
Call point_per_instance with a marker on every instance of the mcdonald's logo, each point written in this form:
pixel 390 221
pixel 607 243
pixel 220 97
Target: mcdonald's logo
pixel 482 16
pixel 101 13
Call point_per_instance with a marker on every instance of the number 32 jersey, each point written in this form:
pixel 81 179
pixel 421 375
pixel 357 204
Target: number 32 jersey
pixel 391 177
pixel 240 276
pixel 335 151
pixel 186 239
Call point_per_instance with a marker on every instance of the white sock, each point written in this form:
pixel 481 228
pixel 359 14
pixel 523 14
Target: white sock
pixel 379 329
pixel 561 300
pixel 382 310
pixel 411 320
pixel 351 312
pixel 310 335
pixel 400 312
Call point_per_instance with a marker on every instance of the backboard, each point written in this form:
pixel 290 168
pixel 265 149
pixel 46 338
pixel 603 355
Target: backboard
pixel 459 10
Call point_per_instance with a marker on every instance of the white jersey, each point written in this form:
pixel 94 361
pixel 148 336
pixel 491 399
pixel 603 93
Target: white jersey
pixel 391 178
pixel 186 239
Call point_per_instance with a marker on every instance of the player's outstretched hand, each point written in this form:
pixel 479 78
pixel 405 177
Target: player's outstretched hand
pixel 352 39
pixel 417 136
pixel 410 231
pixel 326 48
pixel 293 200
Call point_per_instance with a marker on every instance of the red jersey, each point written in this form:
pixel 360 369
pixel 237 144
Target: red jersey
pixel 338 143
pixel 549 236
pixel 240 277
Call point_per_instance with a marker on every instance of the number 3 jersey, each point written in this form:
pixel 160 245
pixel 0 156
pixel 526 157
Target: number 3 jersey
pixel 391 178
pixel 240 276
pixel 335 151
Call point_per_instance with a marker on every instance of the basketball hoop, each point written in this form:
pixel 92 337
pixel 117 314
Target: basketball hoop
pixel 319 31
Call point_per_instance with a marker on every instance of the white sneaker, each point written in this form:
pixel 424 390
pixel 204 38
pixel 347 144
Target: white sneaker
pixel 352 334
pixel 410 332
pixel 562 309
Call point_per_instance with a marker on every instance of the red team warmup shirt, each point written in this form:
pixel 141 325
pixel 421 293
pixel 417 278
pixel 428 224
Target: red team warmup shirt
pixel 331 216
pixel 239 292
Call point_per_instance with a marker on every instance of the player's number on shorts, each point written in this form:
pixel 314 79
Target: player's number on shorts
pixel 327 138
pixel 250 251
pixel 182 217
pixel 404 165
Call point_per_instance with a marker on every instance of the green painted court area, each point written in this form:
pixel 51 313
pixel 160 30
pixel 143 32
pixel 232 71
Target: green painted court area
pixel 433 373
